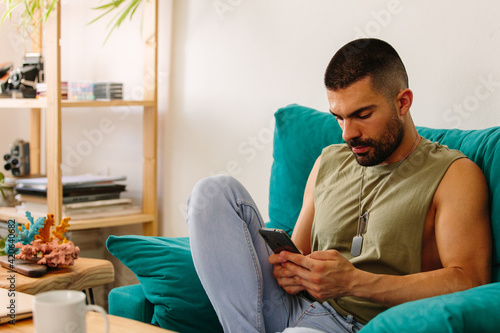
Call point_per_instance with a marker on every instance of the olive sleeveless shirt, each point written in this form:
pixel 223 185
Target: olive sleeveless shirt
pixel 392 243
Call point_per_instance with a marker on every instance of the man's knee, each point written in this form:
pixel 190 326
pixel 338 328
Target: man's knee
pixel 210 189
pixel 213 187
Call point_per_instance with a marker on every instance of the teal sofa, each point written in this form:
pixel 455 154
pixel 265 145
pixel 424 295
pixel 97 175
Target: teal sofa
pixel 170 294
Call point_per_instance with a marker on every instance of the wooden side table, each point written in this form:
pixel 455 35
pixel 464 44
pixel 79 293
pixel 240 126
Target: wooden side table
pixel 95 324
pixel 85 274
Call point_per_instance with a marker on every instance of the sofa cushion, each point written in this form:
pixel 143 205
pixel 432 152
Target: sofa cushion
pixel 165 269
pixel 130 302
pixel 301 133
pixel 465 311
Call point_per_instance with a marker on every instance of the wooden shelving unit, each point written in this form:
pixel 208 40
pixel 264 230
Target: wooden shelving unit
pixel 53 105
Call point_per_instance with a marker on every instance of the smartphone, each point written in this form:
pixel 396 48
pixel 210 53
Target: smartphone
pixel 278 240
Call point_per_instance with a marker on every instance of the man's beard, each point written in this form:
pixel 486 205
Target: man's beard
pixel 383 148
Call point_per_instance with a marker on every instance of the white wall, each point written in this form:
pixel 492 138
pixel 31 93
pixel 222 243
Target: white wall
pixel 234 62
pixel 237 61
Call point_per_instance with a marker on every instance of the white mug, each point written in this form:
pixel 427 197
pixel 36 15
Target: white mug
pixel 62 311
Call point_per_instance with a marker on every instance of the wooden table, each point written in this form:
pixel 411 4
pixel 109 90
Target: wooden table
pixel 95 324
pixel 85 274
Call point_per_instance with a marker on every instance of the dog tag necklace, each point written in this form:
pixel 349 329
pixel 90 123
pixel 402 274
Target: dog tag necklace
pixel 357 241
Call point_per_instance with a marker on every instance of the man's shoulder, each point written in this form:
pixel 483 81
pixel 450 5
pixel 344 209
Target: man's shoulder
pixel 465 169
pixel 440 150
pixel 434 156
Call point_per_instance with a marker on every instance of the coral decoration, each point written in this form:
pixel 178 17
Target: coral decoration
pixel 44 233
pixel 61 230
pixel 28 231
pixel 33 242
pixel 52 253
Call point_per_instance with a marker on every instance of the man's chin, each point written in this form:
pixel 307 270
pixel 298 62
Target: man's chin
pixel 365 159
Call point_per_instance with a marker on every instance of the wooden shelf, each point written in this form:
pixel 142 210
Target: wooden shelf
pixel 53 131
pixel 7 213
pixel 22 103
pixel 19 103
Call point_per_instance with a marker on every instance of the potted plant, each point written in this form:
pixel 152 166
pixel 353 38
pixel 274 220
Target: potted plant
pixel 34 12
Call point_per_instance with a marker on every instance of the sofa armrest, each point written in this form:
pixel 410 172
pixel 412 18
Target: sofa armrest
pixel 130 302
pixel 472 310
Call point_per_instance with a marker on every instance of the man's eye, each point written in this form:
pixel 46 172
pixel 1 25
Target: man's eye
pixel 364 116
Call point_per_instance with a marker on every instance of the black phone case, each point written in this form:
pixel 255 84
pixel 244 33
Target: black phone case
pixel 278 240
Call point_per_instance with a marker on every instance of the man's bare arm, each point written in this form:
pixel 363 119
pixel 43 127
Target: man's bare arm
pixel 463 238
pixel 301 235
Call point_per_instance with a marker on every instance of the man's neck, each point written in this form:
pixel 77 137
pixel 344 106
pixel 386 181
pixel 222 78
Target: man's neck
pixel 407 146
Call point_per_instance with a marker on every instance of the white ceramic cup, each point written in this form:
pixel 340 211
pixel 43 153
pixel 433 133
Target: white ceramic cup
pixel 62 311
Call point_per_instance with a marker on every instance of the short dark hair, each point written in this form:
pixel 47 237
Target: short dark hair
pixel 367 57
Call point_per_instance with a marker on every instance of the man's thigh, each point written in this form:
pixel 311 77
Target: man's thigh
pixel 321 317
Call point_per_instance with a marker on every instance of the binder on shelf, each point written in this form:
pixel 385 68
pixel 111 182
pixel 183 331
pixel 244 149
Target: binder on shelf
pixel 69 198
pixel 73 191
pixel 72 180
pixel 81 210
pixel 108 90
pixel 84 197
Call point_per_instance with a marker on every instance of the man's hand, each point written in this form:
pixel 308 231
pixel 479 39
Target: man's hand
pixel 286 279
pixel 324 274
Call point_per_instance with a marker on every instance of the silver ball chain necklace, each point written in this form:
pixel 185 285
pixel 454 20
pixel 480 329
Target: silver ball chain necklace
pixel 357 241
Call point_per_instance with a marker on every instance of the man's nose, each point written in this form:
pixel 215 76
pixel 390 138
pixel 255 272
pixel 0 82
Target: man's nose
pixel 350 130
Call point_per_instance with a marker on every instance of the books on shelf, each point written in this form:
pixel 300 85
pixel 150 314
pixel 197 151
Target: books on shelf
pixel 73 191
pixel 84 197
pixel 69 198
pixel 71 180
pixel 41 90
pixel 81 90
pixel 85 90
pixel 108 90
pixel 84 210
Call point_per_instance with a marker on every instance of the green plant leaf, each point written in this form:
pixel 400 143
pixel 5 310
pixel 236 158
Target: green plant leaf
pixel 11 6
pixel 100 16
pixel 49 9
pixel 127 10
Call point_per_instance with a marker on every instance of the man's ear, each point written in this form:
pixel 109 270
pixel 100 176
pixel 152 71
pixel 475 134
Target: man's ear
pixel 404 101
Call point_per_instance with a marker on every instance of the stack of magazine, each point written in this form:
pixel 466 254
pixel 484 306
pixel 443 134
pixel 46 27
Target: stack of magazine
pixel 84 197
pixel 108 90
pixel 85 90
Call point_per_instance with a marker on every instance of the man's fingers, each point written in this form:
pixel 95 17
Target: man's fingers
pixel 297 259
pixel 280 271
pixel 294 289
pixel 325 255
pixel 275 259
pixel 297 270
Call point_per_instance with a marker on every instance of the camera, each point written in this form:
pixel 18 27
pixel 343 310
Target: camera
pixel 25 78
pixel 18 160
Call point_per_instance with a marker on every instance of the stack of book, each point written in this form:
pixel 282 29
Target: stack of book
pixel 81 90
pixel 85 90
pixel 41 90
pixel 108 90
pixel 84 197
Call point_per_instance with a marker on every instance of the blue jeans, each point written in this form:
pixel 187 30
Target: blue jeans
pixel 231 259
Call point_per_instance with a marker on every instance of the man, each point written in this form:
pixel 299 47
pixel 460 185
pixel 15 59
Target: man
pixel 387 218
